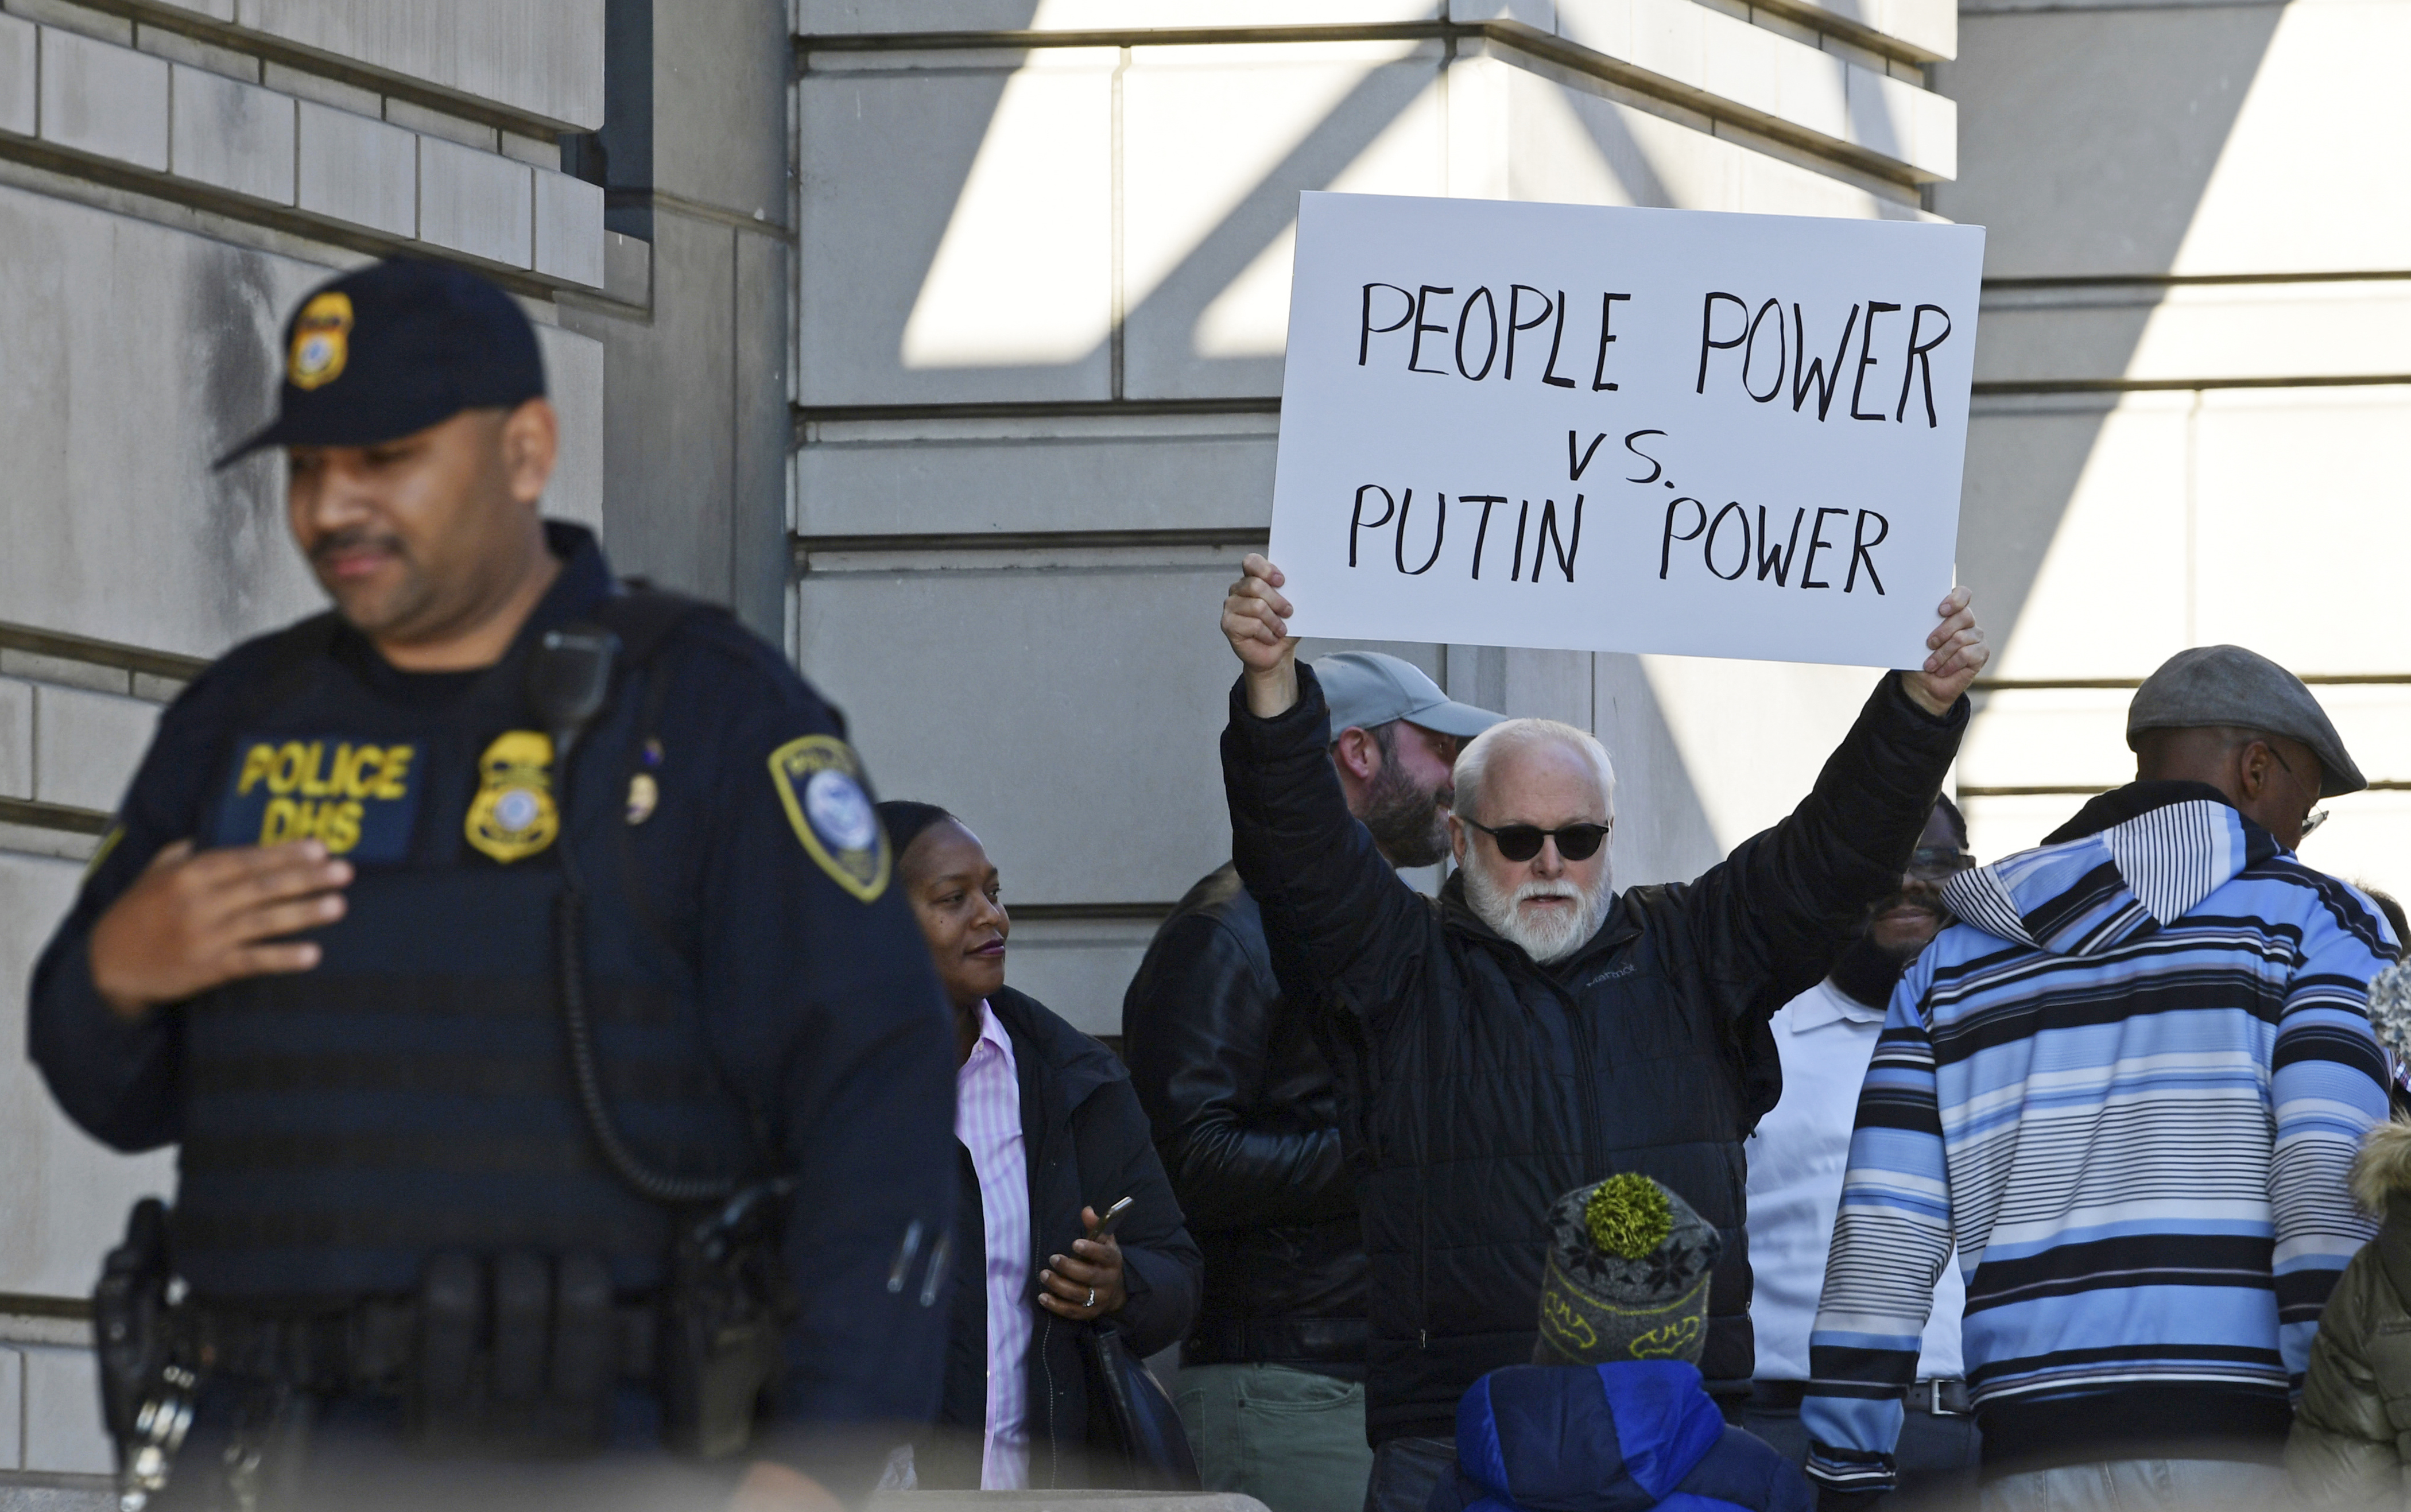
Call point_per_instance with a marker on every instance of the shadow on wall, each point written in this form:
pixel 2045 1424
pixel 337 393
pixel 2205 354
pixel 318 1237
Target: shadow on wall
pixel 2089 139
pixel 2086 141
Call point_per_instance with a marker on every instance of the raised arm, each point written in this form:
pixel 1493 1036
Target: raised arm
pixel 1769 919
pixel 1344 916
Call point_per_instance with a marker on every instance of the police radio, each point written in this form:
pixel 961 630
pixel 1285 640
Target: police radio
pixel 569 680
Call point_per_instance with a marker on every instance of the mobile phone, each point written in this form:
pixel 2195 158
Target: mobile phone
pixel 1113 1218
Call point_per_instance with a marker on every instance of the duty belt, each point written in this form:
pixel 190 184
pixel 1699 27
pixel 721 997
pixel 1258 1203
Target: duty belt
pixel 364 1349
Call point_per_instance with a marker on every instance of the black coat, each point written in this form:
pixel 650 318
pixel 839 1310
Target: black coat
pixel 1245 1115
pixel 1491 1084
pixel 1087 1144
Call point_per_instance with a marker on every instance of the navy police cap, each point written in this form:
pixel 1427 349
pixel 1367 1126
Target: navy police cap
pixel 392 348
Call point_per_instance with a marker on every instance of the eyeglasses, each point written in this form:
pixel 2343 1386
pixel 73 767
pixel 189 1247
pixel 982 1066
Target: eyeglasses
pixel 1522 842
pixel 2316 817
pixel 1934 861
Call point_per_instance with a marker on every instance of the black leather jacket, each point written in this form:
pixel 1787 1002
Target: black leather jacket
pixel 1246 1117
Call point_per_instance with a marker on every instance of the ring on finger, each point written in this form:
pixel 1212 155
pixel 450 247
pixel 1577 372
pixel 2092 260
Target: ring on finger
pixel 1092 1297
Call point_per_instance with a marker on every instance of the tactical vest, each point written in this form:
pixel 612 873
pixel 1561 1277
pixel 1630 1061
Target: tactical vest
pixel 411 1094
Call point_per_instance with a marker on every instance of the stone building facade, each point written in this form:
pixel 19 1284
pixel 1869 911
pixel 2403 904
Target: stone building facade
pixel 173 174
pixel 1041 290
pixel 942 338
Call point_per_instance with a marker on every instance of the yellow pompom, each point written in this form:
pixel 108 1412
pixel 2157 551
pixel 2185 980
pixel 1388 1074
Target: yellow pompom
pixel 1627 1216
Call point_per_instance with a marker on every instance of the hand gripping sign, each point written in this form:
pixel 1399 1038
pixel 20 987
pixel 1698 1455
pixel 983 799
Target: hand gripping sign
pixel 1594 429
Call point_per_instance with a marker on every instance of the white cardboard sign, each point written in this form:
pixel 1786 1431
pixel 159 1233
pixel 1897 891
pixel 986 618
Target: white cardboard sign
pixel 1595 428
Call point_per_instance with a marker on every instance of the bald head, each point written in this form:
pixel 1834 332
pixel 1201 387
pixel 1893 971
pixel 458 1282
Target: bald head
pixel 1504 757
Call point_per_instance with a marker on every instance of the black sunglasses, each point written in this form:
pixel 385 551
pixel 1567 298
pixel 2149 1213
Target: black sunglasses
pixel 1522 842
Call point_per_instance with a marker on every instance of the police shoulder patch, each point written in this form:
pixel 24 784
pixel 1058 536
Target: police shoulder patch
pixel 820 785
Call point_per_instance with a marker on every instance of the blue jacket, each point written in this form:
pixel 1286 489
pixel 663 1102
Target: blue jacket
pixel 1609 1438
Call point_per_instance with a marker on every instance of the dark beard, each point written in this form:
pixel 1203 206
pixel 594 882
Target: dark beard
pixel 1404 820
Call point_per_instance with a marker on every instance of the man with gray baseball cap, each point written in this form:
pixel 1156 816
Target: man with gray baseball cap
pixel 1245 1109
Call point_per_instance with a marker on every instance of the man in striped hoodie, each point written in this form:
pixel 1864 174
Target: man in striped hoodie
pixel 2128 1084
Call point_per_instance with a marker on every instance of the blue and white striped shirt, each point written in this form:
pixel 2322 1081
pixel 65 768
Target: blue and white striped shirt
pixel 2128 1086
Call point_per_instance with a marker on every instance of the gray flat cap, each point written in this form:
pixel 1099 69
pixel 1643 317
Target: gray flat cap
pixel 2227 685
pixel 1367 689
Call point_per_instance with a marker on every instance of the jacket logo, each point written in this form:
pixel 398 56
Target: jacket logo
pixel 513 815
pixel 1610 974
pixel 353 797
pixel 322 338
pixel 820 785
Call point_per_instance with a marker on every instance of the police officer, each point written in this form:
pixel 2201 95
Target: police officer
pixel 513 955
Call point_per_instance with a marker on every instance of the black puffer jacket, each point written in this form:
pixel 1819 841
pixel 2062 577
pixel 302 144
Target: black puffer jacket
pixel 1246 1116
pixel 1492 1084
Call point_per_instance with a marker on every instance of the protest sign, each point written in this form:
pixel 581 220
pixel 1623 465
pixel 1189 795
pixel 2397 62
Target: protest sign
pixel 1597 428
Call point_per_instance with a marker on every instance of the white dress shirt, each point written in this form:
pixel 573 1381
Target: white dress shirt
pixel 1797 1162
pixel 988 1119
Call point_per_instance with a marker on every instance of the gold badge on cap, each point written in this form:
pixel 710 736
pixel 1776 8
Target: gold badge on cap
pixel 513 816
pixel 322 341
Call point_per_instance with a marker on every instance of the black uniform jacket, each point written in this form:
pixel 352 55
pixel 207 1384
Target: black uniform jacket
pixel 1246 1113
pixel 816 1009
pixel 1494 1086
pixel 1085 1145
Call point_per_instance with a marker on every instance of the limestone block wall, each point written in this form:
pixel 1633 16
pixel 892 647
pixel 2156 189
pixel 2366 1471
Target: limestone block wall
pixel 2194 406
pixel 1042 287
pixel 173 177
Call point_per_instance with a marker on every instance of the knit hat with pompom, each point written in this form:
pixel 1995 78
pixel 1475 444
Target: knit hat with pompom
pixel 1627 1275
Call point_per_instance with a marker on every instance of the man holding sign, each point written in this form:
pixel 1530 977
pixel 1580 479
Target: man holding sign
pixel 1534 1029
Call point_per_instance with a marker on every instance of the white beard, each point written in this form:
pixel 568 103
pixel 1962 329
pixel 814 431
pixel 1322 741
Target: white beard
pixel 1548 936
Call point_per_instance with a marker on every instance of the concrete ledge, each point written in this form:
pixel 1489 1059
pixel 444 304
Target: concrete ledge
pixel 235 136
pixel 480 203
pixel 1824 94
pixel 1082 1501
pixel 109 101
pixel 129 117
pixel 31 1490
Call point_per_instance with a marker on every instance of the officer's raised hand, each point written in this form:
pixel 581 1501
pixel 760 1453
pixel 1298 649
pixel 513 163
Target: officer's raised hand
pixel 197 920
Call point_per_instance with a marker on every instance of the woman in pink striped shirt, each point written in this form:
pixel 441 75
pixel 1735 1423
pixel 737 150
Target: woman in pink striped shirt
pixel 1050 1135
